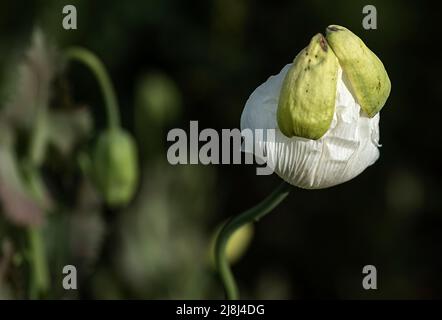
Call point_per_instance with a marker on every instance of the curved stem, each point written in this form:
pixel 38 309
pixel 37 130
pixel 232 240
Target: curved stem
pixel 253 214
pixel 96 66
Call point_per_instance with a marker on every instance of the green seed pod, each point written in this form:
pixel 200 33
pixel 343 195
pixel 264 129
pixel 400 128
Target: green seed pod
pixel 307 99
pixel 115 166
pixel 366 74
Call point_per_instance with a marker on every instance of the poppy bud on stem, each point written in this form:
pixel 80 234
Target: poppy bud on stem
pixel 324 108
pixel 236 222
pixel 115 166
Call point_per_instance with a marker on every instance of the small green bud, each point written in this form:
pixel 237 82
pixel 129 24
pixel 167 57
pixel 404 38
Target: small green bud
pixel 367 76
pixel 307 99
pixel 115 167
pixel 237 244
pixel 157 99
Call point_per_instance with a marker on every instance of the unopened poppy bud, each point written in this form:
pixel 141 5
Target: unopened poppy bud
pixel 236 246
pixel 116 167
pixel 326 118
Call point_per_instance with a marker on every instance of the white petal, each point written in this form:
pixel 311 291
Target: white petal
pixel 348 147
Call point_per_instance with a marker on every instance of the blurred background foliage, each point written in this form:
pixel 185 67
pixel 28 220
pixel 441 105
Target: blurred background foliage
pixel 175 61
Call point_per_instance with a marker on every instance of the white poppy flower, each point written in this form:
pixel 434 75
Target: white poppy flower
pixel 348 147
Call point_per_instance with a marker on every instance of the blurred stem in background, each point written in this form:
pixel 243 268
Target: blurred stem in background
pixel 40 280
pixel 37 254
pixel 236 222
pixel 96 66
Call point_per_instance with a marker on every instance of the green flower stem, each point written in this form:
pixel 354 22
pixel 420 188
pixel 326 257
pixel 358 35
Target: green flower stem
pixel 90 60
pixel 38 142
pixel 253 214
pixel 39 278
pixel 39 269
